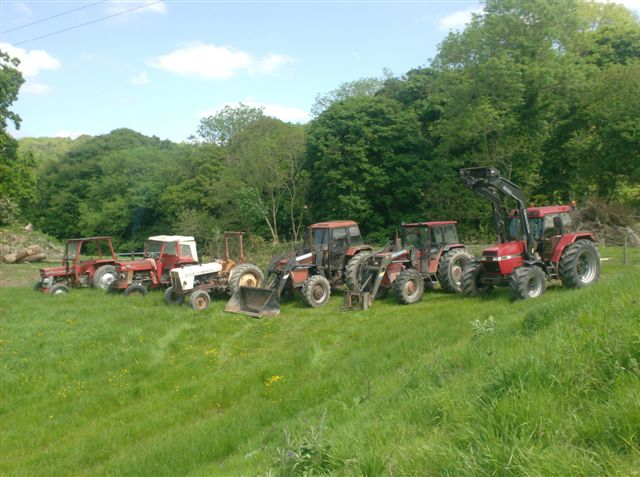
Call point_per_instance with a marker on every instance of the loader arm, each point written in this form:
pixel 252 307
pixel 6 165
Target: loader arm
pixel 486 182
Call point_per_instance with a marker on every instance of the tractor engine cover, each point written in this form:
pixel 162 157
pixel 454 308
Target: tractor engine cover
pixel 184 277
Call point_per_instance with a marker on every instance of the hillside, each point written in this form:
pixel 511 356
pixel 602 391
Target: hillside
pixel 103 385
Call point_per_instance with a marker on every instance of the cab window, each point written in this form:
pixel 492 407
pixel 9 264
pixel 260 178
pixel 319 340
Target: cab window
pixel 320 237
pixel 450 234
pixel 170 248
pixel 354 236
pixel 185 250
pixel 340 238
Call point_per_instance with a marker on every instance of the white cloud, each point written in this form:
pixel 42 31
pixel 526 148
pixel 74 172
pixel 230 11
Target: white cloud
pixel 284 113
pixel 31 62
pixel 119 6
pixel 24 8
pixel 633 5
pixel 140 79
pixel 220 62
pixel 34 87
pixel 69 134
pixel 457 20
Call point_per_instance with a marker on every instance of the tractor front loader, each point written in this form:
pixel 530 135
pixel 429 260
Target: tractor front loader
pixel 320 265
pixel 533 246
pixel 429 253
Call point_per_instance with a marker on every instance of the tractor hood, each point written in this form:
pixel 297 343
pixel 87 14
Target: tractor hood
pixel 504 251
pixel 54 271
pixel 146 264
pixel 185 276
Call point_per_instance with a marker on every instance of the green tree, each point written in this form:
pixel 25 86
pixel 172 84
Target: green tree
pixel 221 127
pixel 17 187
pixel 349 89
pixel 366 157
pixel 266 159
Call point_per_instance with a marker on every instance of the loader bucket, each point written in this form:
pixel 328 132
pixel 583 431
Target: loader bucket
pixel 256 302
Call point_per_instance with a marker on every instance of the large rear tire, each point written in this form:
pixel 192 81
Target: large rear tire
pixel 171 297
pixel 409 287
pixel 245 275
pixel 200 300
pixel 579 264
pixel 471 285
pixel 316 291
pixel 527 282
pixel 104 276
pixel 450 269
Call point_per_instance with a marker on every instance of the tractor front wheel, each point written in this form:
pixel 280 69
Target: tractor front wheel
pixel 471 284
pixel 200 300
pixel 579 264
pixel 58 289
pixel 104 276
pixel 450 269
pixel 527 282
pixel 171 297
pixel 136 290
pixel 316 291
pixel 37 286
pixel 409 287
pixel 245 275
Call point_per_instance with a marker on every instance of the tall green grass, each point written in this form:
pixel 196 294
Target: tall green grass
pixel 106 385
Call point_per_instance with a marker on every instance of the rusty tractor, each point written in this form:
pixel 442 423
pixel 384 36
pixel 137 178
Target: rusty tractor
pixel 86 262
pixel 428 253
pixel 320 265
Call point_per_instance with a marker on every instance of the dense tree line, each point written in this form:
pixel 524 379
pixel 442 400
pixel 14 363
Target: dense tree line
pixel 547 91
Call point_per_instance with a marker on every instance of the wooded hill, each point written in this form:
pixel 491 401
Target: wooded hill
pixel 547 91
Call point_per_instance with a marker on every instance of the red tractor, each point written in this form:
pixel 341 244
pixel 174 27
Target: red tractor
pixel 87 262
pixel 321 264
pixel 429 252
pixel 533 248
pixel 161 254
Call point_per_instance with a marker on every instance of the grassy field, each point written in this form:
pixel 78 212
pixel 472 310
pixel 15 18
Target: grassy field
pixel 106 385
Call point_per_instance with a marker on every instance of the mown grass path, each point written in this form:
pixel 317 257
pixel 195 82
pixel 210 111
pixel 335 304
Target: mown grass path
pixel 107 385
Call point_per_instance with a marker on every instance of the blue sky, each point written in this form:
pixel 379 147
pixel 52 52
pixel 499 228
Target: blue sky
pixel 161 67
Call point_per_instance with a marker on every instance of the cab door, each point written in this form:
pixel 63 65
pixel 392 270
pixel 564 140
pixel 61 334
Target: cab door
pixel 338 248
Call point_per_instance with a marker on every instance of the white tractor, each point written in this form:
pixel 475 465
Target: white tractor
pixel 195 282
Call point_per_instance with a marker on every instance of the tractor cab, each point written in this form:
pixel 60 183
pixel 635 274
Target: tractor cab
pixel 427 241
pixel 547 225
pixel 161 254
pixel 333 243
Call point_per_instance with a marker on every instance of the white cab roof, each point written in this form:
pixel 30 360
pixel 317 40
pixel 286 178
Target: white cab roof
pixel 171 238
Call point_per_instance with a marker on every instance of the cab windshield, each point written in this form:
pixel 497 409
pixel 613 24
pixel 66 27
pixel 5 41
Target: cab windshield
pixel 415 237
pixel 516 229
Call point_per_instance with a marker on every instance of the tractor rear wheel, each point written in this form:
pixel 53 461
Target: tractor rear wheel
pixel 200 300
pixel 104 276
pixel 527 282
pixel 58 289
pixel 353 273
pixel 171 297
pixel 579 264
pixel 409 287
pixel 450 269
pixel 245 275
pixel 136 290
pixel 316 291
pixel 471 285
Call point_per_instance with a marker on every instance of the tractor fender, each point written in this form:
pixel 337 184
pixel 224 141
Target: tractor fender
pixel 567 240
pixel 351 251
